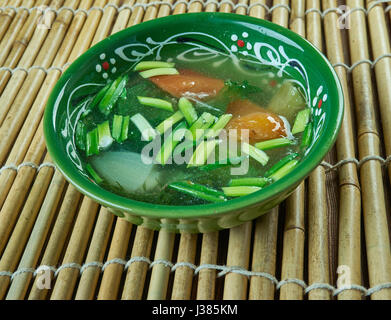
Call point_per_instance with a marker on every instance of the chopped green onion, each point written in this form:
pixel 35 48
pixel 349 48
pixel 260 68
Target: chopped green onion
pixel 224 163
pixel 251 182
pixel 240 191
pixel 104 135
pixel 284 170
pixel 202 153
pixel 255 153
pixel 302 119
pixel 198 191
pixel 281 163
pixel 125 128
pixel 112 95
pixel 156 103
pixel 98 97
pixel 169 122
pixel 218 126
pixel 171 142
pixel 147 131
pixel 117 127
pixel 188 110
pixel 146 65
pixel 93 174
pixel 80 135
pixel 92 143
pixel 202 123
pixel 275 143
pixel 187 144
pixel 158 72
pixel 307 135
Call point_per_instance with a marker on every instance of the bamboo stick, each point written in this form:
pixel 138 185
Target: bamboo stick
pixel 111 276
pixel 265 234
pixel 7 16
pixel 235 285
pixel 161 273
pixel 293 246
pixel 318 244
pixel 294 233
pixel 375 219
pixel 18 107
pixel 23 39
pixel 211 7
pixel 66 278
pixel 21 231
pixel 195 7
pixel 112 273
pixel 349 244
pixel 90 26
pixel 89 278
pixel 122 18
pixel 15 27
pixel 165 9
pixel 10 88
pixel 137 271
pixel 32 251
pixel 37 146
pixel 264 256
pixel 137 14
pixel 16 197
pixel 180 8
pixel 183 279
pixel 207 277
pixel 57 240
pixel 380 46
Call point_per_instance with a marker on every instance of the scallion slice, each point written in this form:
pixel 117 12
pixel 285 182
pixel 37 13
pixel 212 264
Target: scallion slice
pixel 202 153
pixel 282 172
pixel 307 135
pixel 203 122
pixel 255 153
pixel 112 95
pixel 104 135
pixel 215 130
pixel 158 72
pixel 198 191
pixel 156 103
pixel 171 142
pixel 275 143
pixel 146 65
pixel 80 135
pixel 92 143
pixel 169 122
pixel 250 182
pixel 117 127
pixel 281 163
pixel 125 128
pixel 148 133
pixel 188 110
pixel 240 191
pixel 302 119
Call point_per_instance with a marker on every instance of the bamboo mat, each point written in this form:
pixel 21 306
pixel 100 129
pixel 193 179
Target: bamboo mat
pixel 329 240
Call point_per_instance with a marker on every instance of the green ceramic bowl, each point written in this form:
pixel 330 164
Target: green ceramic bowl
pixel 230 35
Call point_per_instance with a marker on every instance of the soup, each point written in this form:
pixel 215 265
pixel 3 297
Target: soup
pixel 165 133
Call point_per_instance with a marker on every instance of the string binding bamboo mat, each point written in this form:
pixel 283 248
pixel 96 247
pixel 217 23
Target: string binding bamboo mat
pixel 329 240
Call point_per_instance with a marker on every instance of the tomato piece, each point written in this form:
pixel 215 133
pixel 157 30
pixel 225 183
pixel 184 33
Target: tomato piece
pixel 189 83
pixel 261 123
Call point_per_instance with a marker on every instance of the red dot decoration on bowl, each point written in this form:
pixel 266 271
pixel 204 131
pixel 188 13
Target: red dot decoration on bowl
pixel 241 43
pixel 105 65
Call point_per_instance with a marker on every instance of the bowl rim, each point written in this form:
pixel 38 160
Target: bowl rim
pixel 116 202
